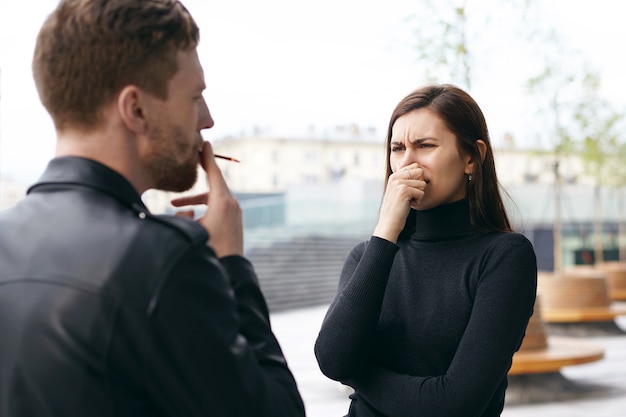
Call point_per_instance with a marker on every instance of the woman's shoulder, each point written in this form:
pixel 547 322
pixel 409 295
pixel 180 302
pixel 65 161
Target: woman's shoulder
pixel 506 241
pixel 510 237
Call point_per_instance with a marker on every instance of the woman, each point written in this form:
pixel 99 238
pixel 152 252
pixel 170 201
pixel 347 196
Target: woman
pixel 430 310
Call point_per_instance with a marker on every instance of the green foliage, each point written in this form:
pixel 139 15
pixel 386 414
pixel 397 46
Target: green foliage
pixel 599 123
pixel 571 114
pixel 442 43
pixel 583 122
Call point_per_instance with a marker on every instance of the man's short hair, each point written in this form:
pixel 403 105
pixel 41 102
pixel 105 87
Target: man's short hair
pixel 88 50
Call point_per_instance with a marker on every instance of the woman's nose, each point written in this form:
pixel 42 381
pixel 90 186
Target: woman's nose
pixel 408 158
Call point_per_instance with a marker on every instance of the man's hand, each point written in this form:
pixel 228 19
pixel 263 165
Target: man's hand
pixel 222 218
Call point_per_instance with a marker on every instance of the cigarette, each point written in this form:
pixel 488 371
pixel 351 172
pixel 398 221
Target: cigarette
pixel 228 158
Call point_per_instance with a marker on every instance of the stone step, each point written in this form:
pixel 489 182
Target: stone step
pixel 300 272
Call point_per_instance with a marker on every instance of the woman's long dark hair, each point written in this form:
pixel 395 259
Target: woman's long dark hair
pixel 463 117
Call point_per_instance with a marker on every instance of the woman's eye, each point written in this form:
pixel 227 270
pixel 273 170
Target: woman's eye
pixel 396 148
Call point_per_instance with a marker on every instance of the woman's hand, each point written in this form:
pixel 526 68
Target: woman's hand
pixel 405 189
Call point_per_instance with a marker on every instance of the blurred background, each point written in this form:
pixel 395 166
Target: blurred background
pixel 301 93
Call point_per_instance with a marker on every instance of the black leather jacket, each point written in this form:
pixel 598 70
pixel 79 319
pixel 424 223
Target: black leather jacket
pixel 108 310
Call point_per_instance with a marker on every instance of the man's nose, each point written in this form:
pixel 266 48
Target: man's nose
pixel 205 120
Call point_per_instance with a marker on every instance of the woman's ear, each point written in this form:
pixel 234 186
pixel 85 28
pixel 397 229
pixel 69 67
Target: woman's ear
pixel 482 150
pixel 131 109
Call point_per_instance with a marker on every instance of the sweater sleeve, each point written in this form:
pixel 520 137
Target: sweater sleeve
pixel 503 304
pixel 342 345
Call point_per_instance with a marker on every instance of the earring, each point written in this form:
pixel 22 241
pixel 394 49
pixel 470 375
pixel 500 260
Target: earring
pixel 469 177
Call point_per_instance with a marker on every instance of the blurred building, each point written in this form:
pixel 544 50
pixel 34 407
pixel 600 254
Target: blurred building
pixel 270 163
pixel 330 182
pixel 275 163
pixel 11 192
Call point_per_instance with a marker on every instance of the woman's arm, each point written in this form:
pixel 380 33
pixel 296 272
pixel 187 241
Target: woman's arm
pixel 504 302
pixel 343 344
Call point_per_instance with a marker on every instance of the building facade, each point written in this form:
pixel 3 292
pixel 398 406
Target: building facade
pixel 332 182
pixel 271 164
pixel 11 192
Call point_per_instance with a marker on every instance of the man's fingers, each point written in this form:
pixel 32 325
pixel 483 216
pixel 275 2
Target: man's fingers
pixel 206 155
pixel 213 173
pixel 185 213
pixel 190 200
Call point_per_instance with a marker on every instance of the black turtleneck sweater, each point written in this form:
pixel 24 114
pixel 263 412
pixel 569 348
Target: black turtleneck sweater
pixel 428 327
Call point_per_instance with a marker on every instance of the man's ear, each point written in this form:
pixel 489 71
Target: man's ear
pixel 131 108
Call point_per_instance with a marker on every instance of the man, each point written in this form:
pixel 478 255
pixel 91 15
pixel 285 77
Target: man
pixel 106 309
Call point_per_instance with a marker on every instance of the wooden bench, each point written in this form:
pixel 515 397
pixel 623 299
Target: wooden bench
pixel 619 295
pixel 540 353
pixel 586 314
pixel 616 278
pixel 560 352
pixel 578 295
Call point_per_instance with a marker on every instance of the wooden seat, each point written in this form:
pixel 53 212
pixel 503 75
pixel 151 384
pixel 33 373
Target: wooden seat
pixel 541 354
pixel 561 351
pixel 536 337
pixel 588 314
pixel 578 295
pixel 579 287
pixel 616 279
pixel 619 295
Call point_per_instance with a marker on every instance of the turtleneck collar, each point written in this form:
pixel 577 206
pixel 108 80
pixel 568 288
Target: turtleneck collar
pixel 443 222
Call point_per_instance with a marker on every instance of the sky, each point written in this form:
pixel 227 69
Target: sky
pixel 282 66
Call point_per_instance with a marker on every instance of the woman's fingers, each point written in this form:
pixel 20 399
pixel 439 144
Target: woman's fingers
pixel 411 191
pixel 410 172
pixel 405 190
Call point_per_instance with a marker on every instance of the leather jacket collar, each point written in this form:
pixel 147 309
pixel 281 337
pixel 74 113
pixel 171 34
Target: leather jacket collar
pixel 73 170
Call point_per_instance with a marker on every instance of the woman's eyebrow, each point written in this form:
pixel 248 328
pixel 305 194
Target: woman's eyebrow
pixel 419 141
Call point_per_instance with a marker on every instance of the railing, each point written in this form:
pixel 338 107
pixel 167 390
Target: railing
pixel 298 257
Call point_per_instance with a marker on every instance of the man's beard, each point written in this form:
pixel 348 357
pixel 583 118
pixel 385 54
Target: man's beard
pixel 164 164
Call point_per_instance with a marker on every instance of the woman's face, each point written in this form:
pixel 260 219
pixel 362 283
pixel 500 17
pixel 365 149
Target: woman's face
pixel 422 137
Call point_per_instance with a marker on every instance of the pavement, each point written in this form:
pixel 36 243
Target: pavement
pixel 595 389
